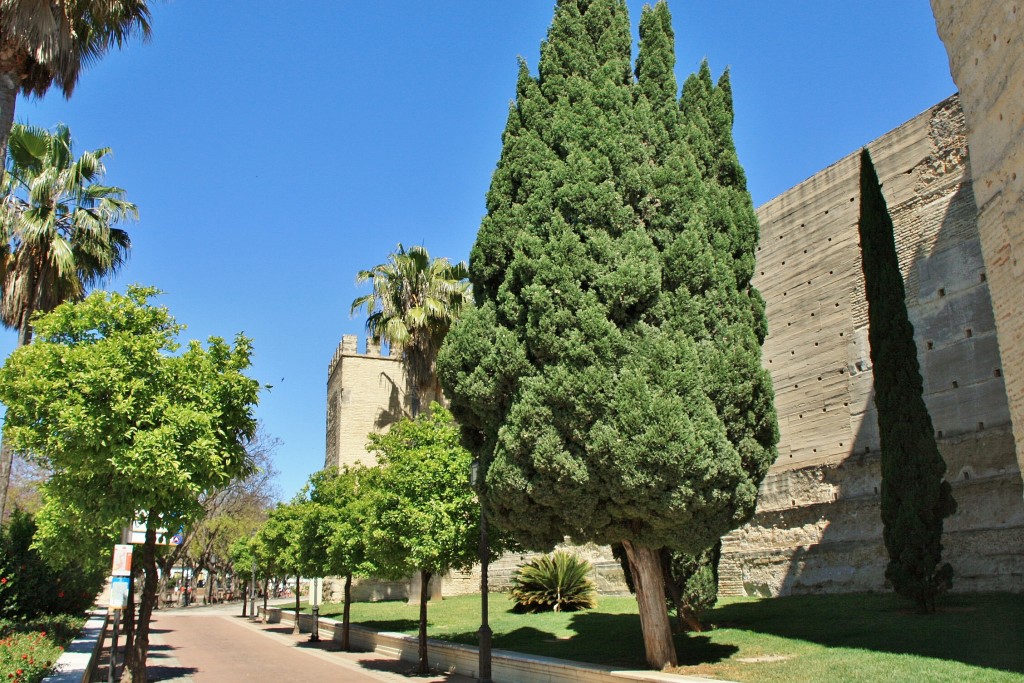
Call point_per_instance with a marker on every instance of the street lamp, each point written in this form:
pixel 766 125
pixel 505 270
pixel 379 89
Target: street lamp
pixel 315 636
pixel 484 549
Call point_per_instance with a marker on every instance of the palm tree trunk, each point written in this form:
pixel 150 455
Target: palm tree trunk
pixel 8 99
pixel 6 452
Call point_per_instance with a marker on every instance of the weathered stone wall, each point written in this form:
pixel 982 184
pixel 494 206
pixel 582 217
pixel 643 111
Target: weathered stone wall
pixel 985 43
pixel 817 526
pixel 366 392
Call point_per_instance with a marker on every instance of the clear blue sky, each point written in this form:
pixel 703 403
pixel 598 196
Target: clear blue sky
pixel 275 149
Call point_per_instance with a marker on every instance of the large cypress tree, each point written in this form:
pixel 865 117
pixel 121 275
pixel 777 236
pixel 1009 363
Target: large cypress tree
pixel 609 378
pixel 915 497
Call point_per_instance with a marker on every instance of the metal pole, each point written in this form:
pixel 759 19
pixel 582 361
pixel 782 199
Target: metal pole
pixel 252 595
pixel 485 629
pixel 315 636
pixel 113 648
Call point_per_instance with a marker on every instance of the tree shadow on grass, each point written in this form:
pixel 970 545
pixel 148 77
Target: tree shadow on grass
pixel 617 639
pixel 393 625
pixel 605 639
pixel 984 630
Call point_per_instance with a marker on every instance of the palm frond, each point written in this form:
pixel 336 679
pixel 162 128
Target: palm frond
pixel 58 224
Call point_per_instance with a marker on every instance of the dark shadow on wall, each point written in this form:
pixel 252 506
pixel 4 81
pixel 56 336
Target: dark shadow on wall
pixel 394 411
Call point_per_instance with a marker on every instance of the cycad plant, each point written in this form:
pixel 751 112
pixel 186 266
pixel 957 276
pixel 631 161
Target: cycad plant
pixel 556 582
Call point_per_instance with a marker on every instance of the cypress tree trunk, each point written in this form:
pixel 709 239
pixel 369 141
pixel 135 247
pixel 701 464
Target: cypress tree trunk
pixel 424 663
pixel 645 566
pixel 915 497
pixel 346 613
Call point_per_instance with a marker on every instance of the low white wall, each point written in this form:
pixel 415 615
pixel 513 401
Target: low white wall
pixel 78 662
pixel 506 667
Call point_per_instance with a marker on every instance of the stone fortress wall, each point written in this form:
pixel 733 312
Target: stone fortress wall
pixel 817 526
pixel 366 392
pixel 985 44
pixel 960 235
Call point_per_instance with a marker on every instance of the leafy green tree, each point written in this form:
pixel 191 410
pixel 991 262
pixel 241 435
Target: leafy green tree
pixel 58 226
pixel 422 514
pixel 915 496
pixel 47 43
pixel 234 511
pixel 251 563
pixel 107 400
pixel 414 301
pixel 280 540
pixel 332 533
pixel 609 377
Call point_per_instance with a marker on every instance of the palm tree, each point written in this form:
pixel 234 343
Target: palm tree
pixel 59 223
pixel 57 232
pixel 415 300
pixel 43 42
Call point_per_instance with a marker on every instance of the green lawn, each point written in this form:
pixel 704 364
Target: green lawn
pixel 849 638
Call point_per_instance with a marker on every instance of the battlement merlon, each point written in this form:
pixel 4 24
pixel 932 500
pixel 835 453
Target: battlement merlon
pixel 349 346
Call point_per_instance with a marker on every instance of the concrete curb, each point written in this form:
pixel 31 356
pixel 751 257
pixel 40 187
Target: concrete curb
pixel 79 660
pixel 506 667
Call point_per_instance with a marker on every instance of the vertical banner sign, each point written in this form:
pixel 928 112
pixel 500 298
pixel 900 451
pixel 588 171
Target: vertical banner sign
pixel 122 571
pixel 122 560
pixel 119 592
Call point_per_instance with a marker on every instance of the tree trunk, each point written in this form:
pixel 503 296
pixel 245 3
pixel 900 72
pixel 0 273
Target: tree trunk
pixel 266 596
pixel 424 663
pixel 295 630
pixel 140 646
pixel 24 332
pixel 6 462
pixel 9 82
pixel 345 612
pixel 245 596
pixel 645 566
pixel 691 619
pixel 686 618
pixel 128 618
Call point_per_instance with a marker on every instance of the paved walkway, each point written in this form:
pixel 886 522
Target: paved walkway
pixel 214 644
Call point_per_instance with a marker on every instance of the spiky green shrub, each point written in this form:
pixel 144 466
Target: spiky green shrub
pixel 556 582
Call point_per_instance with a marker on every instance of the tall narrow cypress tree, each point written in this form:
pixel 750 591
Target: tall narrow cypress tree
pixel 915 497
pixel 609 379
